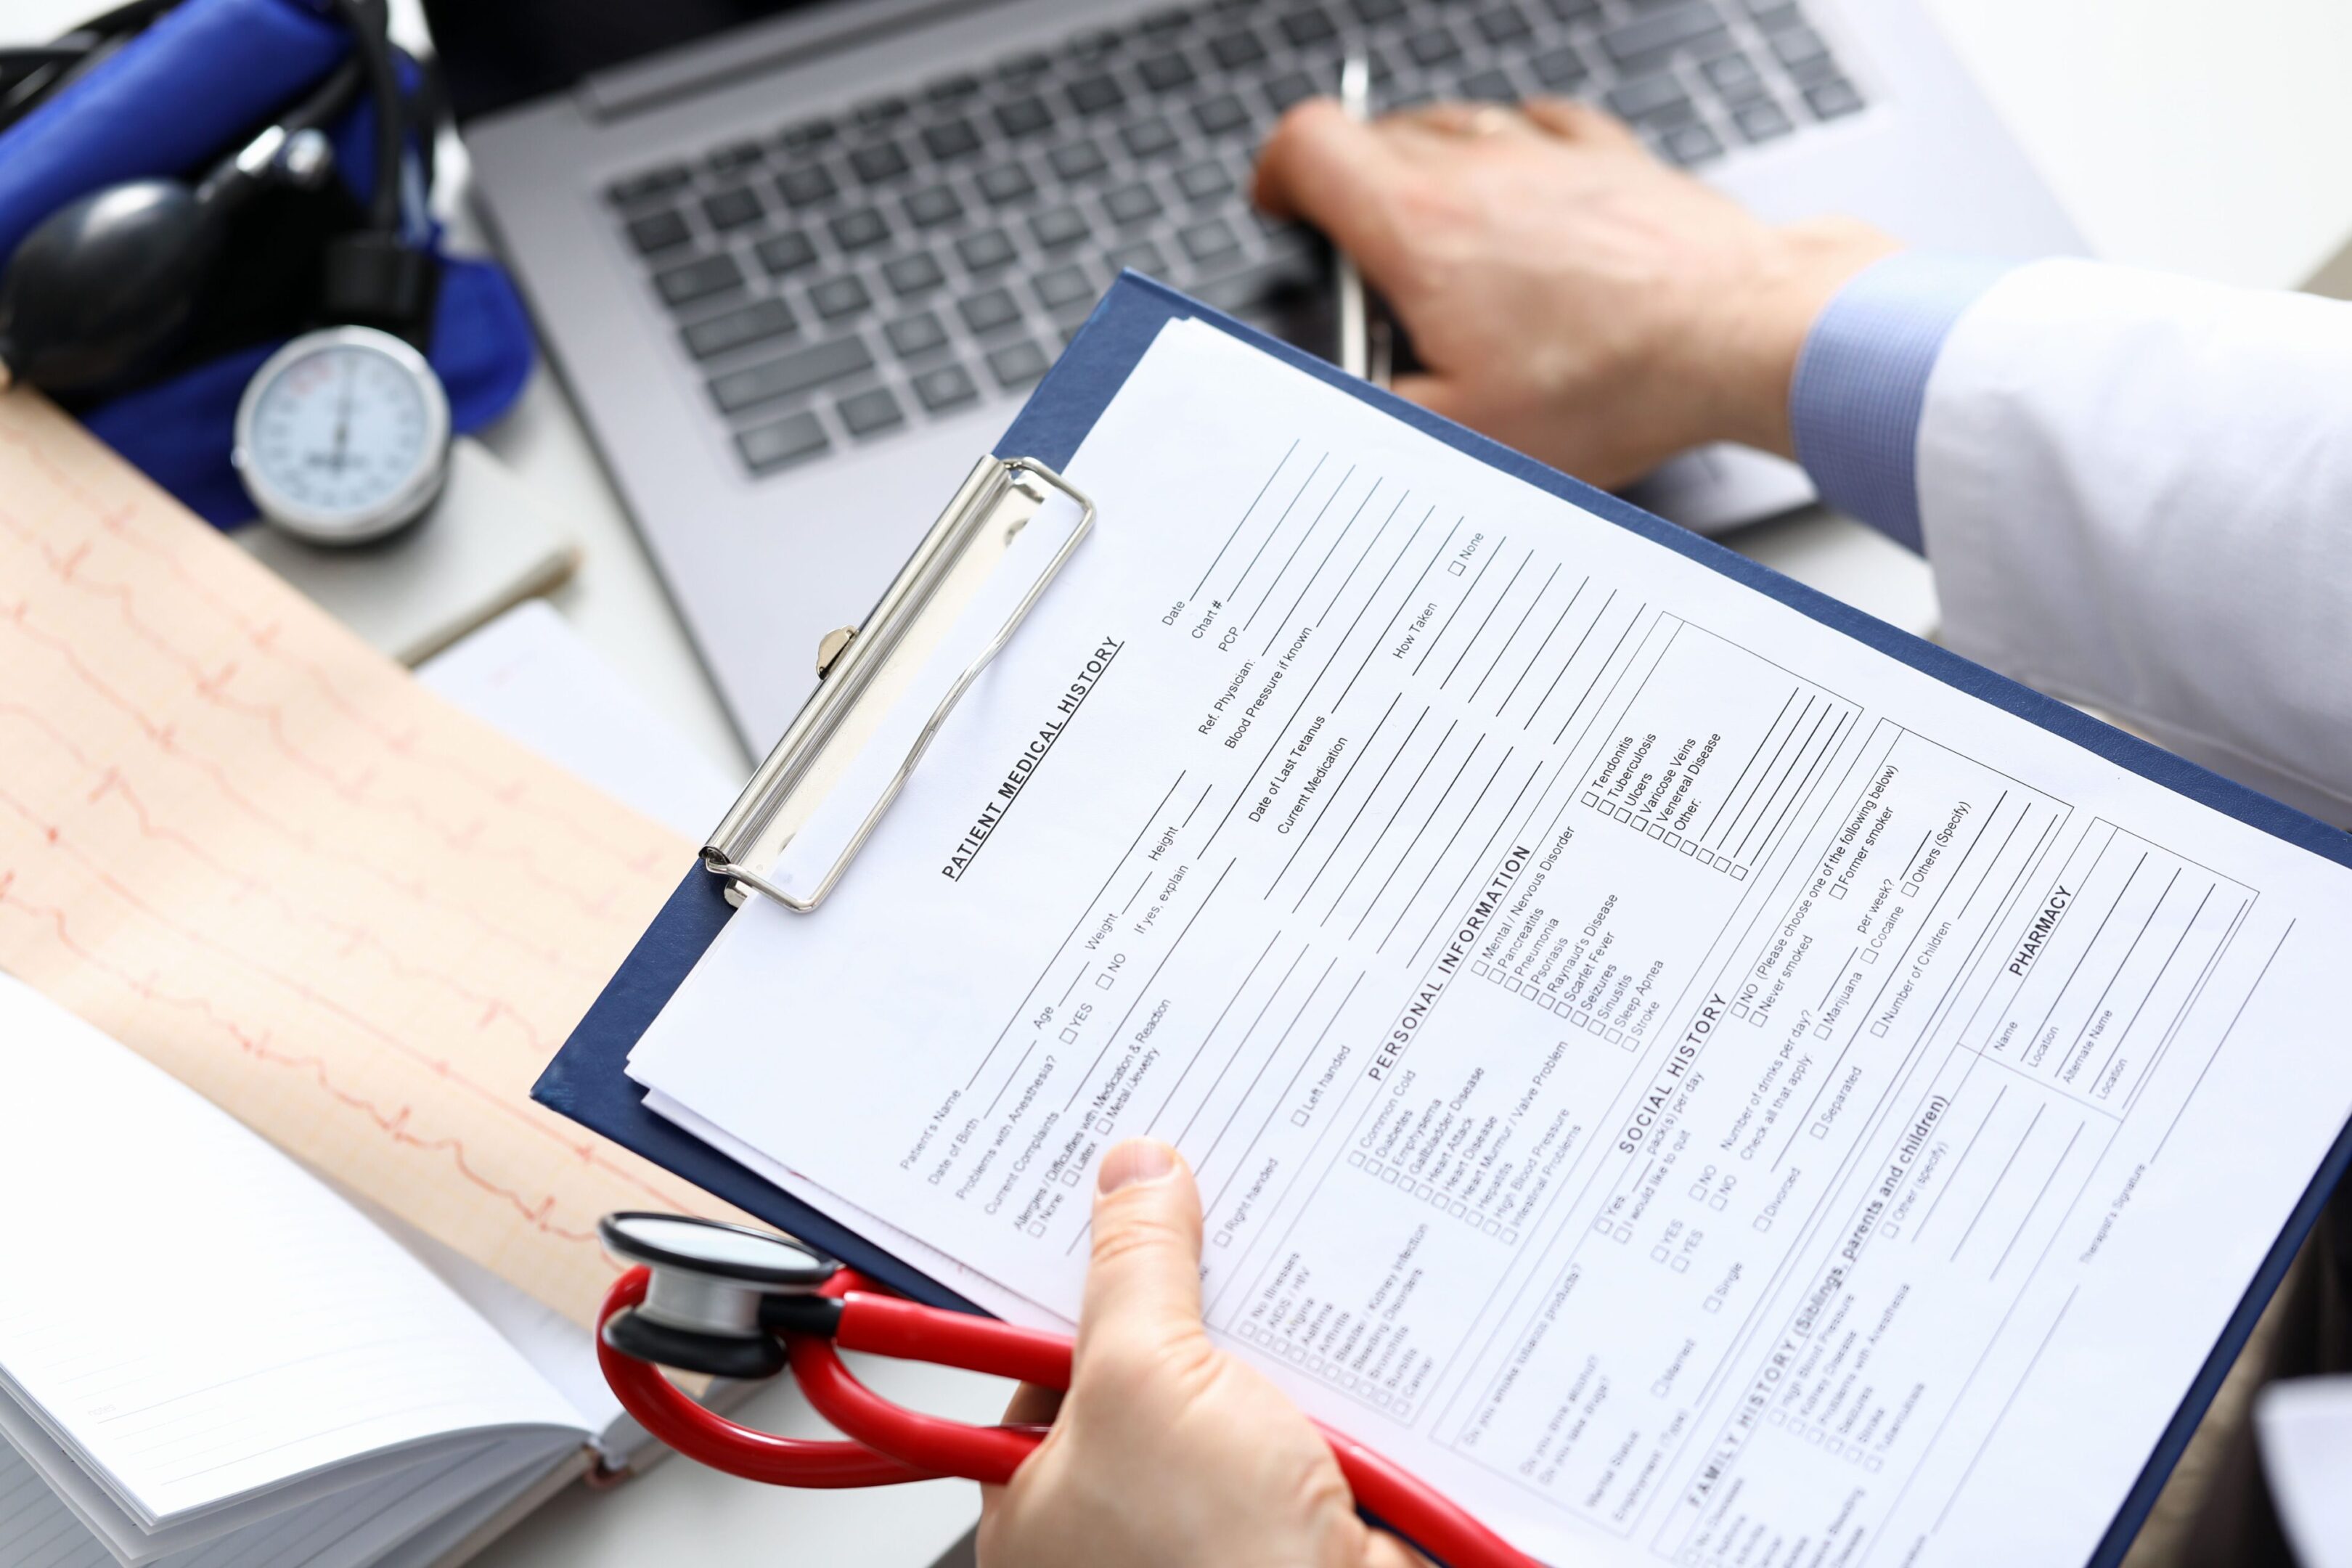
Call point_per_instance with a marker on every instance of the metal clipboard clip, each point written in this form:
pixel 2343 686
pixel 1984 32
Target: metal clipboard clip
pixel 862 671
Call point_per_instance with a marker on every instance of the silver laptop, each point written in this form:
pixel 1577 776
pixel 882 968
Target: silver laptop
pixel 798 262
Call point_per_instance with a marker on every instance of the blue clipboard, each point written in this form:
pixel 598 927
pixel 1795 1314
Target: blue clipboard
pixel 586 1081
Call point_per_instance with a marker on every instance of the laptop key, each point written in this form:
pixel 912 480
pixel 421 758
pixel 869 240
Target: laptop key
pixel 920 333
pixel 913 273
pixel 1832 99
pixel 803 370
pixel 1289 87
pixel 859 229
pixel 1762 121
pixel 1503 24
pixel 1023 117
pixel 870 413
pixel 1058 227
pixel 1016 366
pixel 1374 13
pixel 1166 73
pixel 647 184
pixel 838 299
pixel 1732 74
pixel 772 447
pixel 1432 47
pixel 1025 66
pixel 1654 100
pixel 1164 23
pixel 1575 10
pixel 698 280
pixel 1234 50
pixel 985 251
pixel 1646 42
pixel 989 312
pixel 1078 160
pixel 1209 242
pixel 950 140
pixel 783 252
pixel 1006 183
pixel 734 158
pixel 808 133
pixel 931 207
pixel 754 323
pixel 1132 203
pixel 881 110
pixel 1493 85
pixel 1092 43
pixel 1142 255
pixel 806 185
pixel 1203 181
pixel 1307 26
pixel 1221 115
pixel 1559 69
pixel 877 161
pixel 1097 94
pixel 949 386
pixel 952 89
pixel 731 209
pixel 1149 139
pixel 657 231
pixel 1690 144
pixel 1063 287
pixel 1793 47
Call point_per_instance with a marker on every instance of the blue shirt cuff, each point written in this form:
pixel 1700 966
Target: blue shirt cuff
pixel 1861 382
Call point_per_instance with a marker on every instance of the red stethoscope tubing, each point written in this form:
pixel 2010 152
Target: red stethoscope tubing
pixel 890 1443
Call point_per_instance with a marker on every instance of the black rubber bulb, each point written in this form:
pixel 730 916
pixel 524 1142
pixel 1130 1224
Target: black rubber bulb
pixel 105 284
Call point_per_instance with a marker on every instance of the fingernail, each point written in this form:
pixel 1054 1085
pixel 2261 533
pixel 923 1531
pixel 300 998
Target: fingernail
pixel 1136 1160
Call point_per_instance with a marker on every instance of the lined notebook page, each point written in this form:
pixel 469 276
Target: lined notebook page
pixel 261 856
pixel 210 1320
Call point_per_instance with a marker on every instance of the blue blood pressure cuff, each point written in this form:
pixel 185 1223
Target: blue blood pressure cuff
pixel 173 101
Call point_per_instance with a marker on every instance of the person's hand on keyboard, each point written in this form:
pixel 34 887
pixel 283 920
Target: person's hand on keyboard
pixel 1167 1451
pixel 1566 292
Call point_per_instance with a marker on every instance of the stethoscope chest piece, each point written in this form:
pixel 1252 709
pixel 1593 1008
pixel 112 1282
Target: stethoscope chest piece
pixel 709 1304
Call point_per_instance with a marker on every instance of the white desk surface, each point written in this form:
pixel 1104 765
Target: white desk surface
pixel 2188 135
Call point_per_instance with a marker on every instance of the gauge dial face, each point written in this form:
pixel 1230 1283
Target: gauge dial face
pixel 343 434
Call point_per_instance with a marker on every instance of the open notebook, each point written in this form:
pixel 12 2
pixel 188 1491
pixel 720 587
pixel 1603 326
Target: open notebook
pixel 255 853
pixel 236 1366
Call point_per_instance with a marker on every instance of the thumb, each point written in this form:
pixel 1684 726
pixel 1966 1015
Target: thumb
pixel 1144 1279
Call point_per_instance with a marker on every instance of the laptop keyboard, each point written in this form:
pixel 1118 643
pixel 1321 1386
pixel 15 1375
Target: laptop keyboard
pixel 841 279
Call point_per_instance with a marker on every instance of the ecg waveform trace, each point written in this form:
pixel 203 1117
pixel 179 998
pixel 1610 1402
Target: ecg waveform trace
pixel 257 852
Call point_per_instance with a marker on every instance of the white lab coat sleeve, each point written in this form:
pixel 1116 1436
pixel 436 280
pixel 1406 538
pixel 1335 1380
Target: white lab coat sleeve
pixel 2136 493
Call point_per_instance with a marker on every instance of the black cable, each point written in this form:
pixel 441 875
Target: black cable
pixel 368 28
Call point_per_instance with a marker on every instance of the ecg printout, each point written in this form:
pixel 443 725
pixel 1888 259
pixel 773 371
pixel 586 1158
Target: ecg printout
pixel 1694 1088
pixel 257 852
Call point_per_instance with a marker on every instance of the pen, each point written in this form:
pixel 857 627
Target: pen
pixel 1355 333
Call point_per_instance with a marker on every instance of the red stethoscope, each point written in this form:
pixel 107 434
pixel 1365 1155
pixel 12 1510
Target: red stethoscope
pixel 733 1301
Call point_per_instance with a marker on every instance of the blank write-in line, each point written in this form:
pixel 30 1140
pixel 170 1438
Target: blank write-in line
pixel 1304 534
pixel 1243 521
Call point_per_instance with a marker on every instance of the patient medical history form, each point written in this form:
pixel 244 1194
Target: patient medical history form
pixel 1688 1083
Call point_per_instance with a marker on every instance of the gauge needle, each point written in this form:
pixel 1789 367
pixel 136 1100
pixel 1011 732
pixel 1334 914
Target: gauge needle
pixel 344 415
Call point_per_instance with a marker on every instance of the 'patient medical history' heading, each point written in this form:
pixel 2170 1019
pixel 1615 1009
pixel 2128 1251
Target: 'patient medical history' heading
pixel 1033 756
